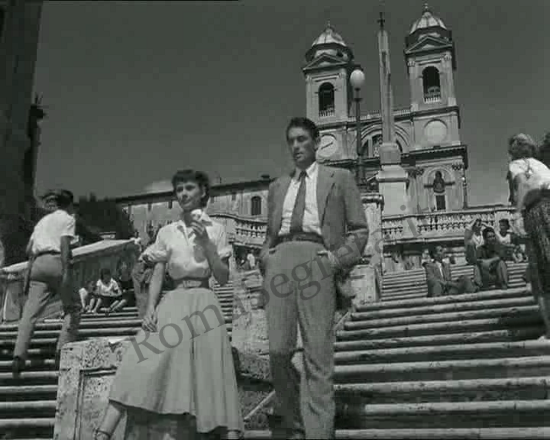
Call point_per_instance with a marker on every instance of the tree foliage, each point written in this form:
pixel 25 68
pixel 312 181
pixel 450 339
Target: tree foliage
pixel 96 216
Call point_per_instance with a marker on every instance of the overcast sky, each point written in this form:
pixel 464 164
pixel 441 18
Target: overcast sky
pixel 137 90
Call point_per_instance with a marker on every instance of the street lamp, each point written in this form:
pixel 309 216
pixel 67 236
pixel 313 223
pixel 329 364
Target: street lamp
pixel 357 79
pixel 464 190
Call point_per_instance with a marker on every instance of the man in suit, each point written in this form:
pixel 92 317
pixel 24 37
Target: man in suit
pixel 316 232
pixel 439 279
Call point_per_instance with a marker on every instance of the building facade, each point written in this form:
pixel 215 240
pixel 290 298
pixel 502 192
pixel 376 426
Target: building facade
pixel 427 133
pixel 19 128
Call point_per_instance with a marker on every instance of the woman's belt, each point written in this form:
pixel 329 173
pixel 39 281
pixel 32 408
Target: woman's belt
pixel 42 253
pixel 191 283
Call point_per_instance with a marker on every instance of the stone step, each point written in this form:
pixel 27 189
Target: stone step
pixel 411 289
pixel 455 268
pixel 29 378
pixel 372 315
pixel 438 328
pixel 503 312
pixel 412 295
pixel 423 288
pixel 28 408
pixel 518 413
pixel 31 364
pixel 508 433
pixel 444 370
pixel 84 324
pixel 488 389
pixel 28 392
pixel 513 272
pixel 423 302
pixel 86 332
pixel 491 350
pixel 47 351
pixel 505 335
pixel 27 428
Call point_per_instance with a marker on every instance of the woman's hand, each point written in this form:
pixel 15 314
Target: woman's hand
pixel 200 232
pixel 150 320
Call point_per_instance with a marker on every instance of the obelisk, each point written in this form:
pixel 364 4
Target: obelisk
pixel 392 178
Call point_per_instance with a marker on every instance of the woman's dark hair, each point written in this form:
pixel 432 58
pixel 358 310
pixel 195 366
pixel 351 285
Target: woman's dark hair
pixel 306 124
pixel 198 177
pixel 104 272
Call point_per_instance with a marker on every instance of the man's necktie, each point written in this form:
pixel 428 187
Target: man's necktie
pixel 297 218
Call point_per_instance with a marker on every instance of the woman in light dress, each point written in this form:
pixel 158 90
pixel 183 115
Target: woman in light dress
pixel 177 380
pixel 534 207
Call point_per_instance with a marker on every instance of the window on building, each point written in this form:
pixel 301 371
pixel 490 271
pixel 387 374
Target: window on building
pixel 256 205
pixel 326 100
pixel 149 206
pixel 170 204
pixel 233 196
pixel 431 84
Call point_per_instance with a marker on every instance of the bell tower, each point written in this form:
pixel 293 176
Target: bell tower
pixel 328 64
pixel 431 62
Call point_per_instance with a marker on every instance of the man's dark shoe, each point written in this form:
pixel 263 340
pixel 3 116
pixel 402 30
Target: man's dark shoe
pixel 18 366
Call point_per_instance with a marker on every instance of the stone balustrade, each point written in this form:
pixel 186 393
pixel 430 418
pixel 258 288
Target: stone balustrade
pixel 87 262
pixel 439 225
pixel 243 231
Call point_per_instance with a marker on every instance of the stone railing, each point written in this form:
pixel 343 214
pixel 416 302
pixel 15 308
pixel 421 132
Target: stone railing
pixel 444 225
pixel 432 97
pixel 326 113
pixel 87 262
pixel 250 232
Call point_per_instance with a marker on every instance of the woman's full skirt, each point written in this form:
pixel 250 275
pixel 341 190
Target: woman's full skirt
pixel 537 226
pixel 184 369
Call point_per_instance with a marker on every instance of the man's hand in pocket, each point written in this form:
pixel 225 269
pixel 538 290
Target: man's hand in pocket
pixel 333 260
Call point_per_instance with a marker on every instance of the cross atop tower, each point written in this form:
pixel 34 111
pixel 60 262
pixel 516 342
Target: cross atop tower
pixel 382 19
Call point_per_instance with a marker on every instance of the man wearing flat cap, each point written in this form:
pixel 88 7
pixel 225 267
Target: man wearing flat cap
pixel 49 251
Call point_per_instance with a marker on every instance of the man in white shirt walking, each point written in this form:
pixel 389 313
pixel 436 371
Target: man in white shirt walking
pixel 49 252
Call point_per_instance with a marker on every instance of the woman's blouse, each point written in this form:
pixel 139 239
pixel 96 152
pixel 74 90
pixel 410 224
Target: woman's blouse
pixel 110 289
pixel 521 166
pixel 176 246
pixel 504 239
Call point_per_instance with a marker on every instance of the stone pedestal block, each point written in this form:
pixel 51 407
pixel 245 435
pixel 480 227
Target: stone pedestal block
pixel 249 332
pixel 365 284
pixel 85 377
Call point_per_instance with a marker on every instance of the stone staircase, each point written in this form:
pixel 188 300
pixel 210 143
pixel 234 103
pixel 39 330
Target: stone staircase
pixel 27 407
pixel 463 367
pixel 412 283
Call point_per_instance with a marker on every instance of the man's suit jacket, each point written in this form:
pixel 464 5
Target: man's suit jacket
pixel 342 218
pixel 434 276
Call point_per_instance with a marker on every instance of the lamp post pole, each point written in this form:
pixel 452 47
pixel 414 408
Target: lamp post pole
pixel 357 79
pixel 464 190
pixel 359 145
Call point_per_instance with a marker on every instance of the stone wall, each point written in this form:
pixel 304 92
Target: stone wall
pixel 87 262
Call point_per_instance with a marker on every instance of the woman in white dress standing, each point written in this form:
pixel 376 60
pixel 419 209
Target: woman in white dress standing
pixel 177 379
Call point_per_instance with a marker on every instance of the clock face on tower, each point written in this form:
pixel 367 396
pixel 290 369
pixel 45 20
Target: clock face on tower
pixel 327 147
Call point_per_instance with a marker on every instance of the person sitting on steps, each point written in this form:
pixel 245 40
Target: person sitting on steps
pixel 473 239
pixel 439 279
pixel 491 269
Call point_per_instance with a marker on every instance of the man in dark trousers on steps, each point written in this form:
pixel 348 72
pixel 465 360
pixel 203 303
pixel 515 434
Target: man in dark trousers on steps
pixel 50 256
pixel 439 279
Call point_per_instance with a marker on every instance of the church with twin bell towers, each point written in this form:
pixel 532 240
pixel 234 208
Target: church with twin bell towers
pixel 426 133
